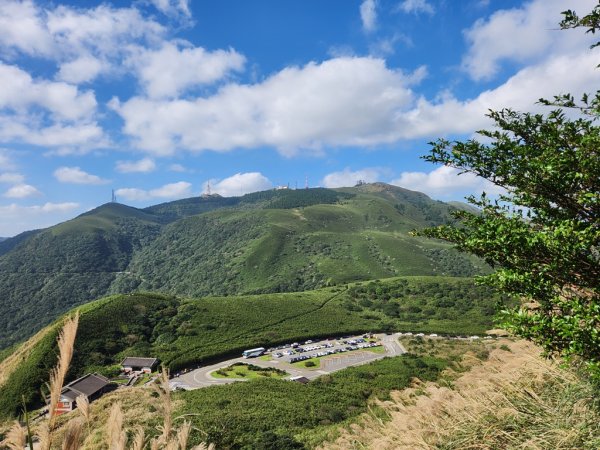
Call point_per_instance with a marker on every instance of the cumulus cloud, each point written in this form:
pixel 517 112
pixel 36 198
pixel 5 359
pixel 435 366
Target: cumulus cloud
pixel 171 69
pixel 144 165
pixel 368 15
pixel 342 101
pixel 444 182
pixel 100 36
pixel 46 113
pixel 22 190
pixel 19 92
pixel 339 102
pixel 349 177
pixel 23 28
pixel 240 184
pixel 81 70
pixel 177 190
pixel 524 35
pixel 75 175
pixel 416 6
pixel 15 218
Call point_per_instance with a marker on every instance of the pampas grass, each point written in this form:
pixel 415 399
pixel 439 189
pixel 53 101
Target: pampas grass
pixel 183 434
pixel 72 438
pixel 16 437
pixel 139 440
pixel 66 344
pixel 163 390
pixel 116 437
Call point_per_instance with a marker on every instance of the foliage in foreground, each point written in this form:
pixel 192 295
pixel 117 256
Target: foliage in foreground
pixel 544 233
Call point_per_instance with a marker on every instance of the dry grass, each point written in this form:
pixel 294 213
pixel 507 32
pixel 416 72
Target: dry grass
pixel 513 400
pixel 15 438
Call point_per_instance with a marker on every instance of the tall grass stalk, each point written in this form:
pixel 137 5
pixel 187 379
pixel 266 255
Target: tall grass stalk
pixel 66 344
pixel 116 437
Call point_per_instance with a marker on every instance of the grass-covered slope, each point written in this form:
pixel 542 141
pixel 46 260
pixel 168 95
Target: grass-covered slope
pixel 186 332
pixel 290 248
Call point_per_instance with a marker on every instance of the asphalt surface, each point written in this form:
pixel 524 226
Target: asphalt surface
pixel 201 377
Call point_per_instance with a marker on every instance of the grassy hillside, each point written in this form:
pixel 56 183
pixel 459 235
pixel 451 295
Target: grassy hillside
pixel 281 247
pixel 185 332
pixel 272 241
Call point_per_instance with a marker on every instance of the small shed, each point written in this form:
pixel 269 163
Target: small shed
pixel 91 386
pixel 138 364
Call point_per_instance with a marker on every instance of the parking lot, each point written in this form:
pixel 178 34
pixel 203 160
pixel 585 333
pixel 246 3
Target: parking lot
pixel 296 352
pixel 333 355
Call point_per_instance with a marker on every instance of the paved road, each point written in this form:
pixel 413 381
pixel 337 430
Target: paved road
pixel 201 377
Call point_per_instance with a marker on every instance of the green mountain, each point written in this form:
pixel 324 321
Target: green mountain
pixel 272 241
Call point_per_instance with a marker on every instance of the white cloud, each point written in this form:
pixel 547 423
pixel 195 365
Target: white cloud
pixel 144 165
pixel 170 70
pixel 173 8
pixel 23 28
pixel 177 190
pixel 81 70
pixel 16 218
pixel 75 175
pixel 349 177
pixel 64 101
pixel 443 182
pixel 11 177
pixel 342 101
pixel 339 102
pixel 240 184
pixel 22 191
pixel 416 6
pixel 46 113
pixel 525 35
pixel 100 37
pixel 368 15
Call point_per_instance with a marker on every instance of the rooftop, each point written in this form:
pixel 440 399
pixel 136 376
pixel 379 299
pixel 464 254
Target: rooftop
pixel 87 385
pixel 134 361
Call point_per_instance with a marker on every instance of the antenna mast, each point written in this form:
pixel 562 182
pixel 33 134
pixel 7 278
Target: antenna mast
pixel 114 197
pixel 208 188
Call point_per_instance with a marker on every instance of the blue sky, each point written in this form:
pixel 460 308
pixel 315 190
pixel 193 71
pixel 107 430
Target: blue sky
pixel 155 98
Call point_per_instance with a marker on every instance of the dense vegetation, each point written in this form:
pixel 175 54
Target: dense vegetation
pixel 268 413
pixel 184 332
pixel 272 241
